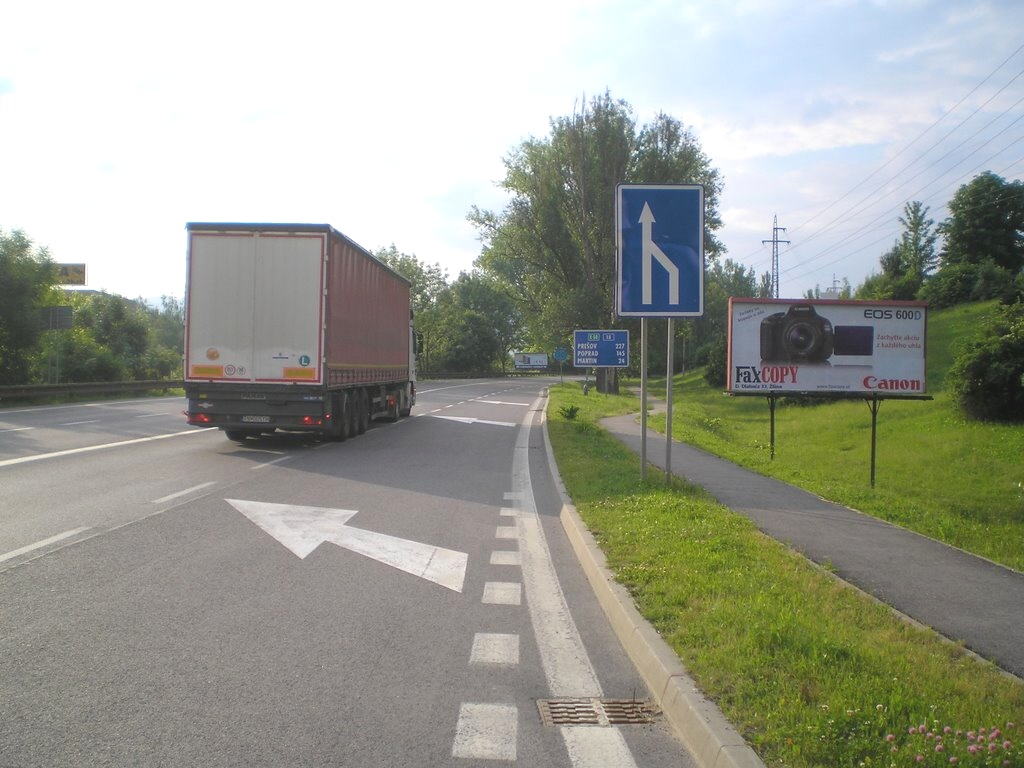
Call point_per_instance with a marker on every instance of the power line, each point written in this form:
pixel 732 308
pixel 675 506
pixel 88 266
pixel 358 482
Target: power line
pixel 860 206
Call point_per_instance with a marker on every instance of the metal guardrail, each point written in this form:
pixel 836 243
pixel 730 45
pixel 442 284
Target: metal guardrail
pixel 43 391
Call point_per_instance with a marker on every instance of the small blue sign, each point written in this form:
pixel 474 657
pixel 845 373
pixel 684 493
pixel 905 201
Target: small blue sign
pixel 600 349
pixel 660 250
pixel 561 354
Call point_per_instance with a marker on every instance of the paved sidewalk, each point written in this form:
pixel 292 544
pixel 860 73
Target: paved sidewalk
pixel 963 597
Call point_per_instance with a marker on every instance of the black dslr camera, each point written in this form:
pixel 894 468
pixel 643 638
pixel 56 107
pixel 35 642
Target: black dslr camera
pixel 799 335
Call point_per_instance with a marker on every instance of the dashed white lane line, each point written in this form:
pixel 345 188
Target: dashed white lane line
pixel 506 532
pixel 503 593
pixel 494 650
pixel 102 447
pixel 486 732
pixel 591 747
pixel 186 492
pixel 506 557
pixel 270 463
pixel 76 423
pixel 41 544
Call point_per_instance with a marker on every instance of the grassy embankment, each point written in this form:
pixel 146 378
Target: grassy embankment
pixel 812 672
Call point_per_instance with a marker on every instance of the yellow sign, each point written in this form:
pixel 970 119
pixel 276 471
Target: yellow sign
pixel 70 274
pixel 208 371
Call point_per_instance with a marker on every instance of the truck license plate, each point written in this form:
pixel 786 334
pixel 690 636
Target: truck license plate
pixel 256 419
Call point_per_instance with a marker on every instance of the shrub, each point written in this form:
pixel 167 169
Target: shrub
pixel 963 283
pixel 717 371
pixel 987 377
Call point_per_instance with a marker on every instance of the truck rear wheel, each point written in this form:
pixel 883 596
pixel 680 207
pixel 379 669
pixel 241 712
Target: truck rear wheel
pixel 363 406
pixel 353 413
pixel 339 418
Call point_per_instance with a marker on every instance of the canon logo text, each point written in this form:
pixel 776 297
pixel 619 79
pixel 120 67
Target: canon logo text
pixel 893 385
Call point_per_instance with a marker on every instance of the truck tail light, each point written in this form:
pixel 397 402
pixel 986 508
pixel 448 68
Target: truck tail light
pixel 197 418
pixel 311 421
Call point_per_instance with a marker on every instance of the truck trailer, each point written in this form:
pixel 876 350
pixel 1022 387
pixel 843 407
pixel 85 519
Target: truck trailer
pixel 293 327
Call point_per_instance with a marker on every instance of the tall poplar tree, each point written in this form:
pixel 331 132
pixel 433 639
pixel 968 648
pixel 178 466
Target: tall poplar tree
pixel 553 247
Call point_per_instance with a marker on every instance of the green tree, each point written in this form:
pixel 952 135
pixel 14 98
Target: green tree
pixel 911 260
pixel 552 248
pixel 917 242
pixel 480 294
pixel 466 342
pixel 121 326
pixel 723 281
pixel 80 358
pixel 986 224
pixel 27 276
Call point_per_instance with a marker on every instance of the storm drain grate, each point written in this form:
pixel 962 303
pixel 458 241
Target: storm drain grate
pixel 603 712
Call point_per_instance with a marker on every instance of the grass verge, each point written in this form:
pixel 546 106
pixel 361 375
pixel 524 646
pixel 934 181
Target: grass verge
pixel 812 672
pixel 937 473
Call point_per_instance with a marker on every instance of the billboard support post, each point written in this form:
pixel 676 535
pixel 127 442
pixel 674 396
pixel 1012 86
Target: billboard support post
pixel 874 404
pixel 771 407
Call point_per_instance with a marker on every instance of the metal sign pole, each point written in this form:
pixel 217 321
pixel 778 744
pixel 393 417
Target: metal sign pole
pixel 643 398
pixel 668 414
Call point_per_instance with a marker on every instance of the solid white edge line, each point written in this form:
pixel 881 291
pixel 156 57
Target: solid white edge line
pixel 43 543
pixel 564 658
pixel 101 447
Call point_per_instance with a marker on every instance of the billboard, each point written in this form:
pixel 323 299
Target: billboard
pixel 530 361
pixel 70 274
pixel 823 347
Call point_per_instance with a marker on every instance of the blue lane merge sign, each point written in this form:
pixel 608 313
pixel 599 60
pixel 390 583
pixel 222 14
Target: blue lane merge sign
pixel 660 250
pixel 600 349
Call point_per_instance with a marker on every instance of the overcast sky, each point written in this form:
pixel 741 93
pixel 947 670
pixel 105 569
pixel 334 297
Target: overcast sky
pixel 120 122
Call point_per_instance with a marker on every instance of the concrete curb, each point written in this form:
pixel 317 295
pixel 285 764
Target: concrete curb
pixel 697 722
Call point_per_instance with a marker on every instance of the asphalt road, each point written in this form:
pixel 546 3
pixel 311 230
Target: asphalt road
pixel 168 597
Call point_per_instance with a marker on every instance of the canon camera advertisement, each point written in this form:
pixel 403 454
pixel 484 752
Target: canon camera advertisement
pixel 855 347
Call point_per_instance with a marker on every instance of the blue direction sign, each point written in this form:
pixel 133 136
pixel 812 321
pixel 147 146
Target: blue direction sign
pixel 660 250
pixel 600 349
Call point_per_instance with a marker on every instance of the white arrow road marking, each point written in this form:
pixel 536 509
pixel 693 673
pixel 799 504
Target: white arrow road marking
pixel 469 420
pixel 651 249
pixel 302 529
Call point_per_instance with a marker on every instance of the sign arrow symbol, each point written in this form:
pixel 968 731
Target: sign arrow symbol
pixel 651 250
pixel 302 529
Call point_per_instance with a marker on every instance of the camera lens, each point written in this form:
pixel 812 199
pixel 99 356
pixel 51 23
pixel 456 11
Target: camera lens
pixel 801 338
